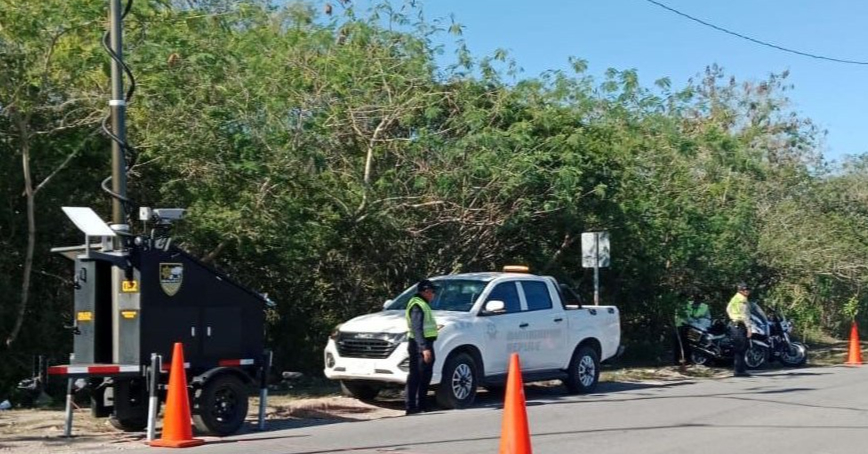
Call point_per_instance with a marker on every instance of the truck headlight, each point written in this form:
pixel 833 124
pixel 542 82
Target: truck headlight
pixel 336 332
pixel 397 338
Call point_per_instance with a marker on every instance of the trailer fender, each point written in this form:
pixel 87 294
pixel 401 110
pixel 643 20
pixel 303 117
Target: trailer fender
pixel 199 380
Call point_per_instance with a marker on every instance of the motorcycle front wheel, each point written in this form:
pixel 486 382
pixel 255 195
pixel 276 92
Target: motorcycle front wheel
pixel 795 355
pixel 699 358
pixel 755 357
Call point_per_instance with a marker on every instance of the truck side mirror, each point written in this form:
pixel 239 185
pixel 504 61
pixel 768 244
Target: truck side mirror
pixel 494 307
pixel 386 304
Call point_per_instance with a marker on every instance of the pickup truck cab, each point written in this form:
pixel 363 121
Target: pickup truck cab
pixel 482 319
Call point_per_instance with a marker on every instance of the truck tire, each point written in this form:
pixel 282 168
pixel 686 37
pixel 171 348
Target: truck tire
pixel 584 371
pixel 359 390
pixel 221 405
pixel 132 424
pixel 458 382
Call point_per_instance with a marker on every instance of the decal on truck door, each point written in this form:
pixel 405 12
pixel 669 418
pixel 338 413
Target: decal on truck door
pixel 171 276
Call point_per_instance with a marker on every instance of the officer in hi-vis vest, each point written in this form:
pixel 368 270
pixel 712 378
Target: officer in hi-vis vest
pixel 738 310
pixel 422 331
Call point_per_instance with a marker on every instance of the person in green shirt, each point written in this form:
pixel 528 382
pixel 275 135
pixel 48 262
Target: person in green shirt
pixel 693 312
pixel 422 331
pixel 738 311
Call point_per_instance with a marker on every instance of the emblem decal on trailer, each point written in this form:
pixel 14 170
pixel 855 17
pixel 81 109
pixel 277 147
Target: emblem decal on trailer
pixel 171 276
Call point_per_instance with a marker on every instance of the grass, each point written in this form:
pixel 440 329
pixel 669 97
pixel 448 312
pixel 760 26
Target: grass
pixel 829 352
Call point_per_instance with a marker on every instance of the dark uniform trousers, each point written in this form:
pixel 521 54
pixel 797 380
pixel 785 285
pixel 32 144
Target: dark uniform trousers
pixel 419 377
pixel 738 333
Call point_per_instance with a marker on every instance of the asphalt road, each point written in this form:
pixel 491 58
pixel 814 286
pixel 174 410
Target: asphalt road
pixel 800 411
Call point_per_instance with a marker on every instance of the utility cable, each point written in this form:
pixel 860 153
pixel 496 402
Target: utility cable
pixel 757 41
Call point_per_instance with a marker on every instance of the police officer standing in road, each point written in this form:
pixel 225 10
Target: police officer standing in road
pixel 738 311
pixel 422 331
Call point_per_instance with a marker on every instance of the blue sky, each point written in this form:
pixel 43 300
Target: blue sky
pixel 635 34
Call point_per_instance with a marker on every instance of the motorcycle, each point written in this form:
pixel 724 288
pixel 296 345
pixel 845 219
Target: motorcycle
pixel 710 341
pixel 782 347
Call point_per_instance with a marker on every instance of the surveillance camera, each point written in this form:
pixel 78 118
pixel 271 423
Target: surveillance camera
pixel 169 214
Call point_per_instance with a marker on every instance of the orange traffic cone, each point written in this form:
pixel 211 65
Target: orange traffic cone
pixel 854 356
pixel 177 430
pixel 515 436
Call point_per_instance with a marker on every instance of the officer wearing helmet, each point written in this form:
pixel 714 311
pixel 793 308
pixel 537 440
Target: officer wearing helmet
pixel 738 311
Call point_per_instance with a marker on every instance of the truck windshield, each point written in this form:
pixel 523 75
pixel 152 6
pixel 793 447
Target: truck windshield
pixel 452 295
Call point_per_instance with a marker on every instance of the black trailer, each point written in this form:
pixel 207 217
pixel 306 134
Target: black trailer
pixel 136 295
pixel 136 302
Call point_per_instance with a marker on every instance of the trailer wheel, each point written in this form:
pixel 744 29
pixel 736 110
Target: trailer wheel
pixel 136 423
pixel 130 410
pixel 221 406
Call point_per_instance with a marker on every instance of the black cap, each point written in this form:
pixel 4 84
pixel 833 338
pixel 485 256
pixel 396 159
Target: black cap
pixel 425 284
pixel 742 286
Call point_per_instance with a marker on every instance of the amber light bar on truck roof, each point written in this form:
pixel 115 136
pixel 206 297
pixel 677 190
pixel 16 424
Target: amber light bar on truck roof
pixel 516 269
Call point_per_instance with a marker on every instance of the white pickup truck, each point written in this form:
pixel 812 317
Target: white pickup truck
pixel 482 319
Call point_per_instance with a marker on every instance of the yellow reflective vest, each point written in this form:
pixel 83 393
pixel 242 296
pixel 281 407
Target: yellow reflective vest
pixel 738 309
pixel 429 325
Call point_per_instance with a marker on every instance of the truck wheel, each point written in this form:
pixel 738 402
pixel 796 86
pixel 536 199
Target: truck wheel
pixel 359 390
pixel 221 406
pixel 136 423
pixel 458 383
pixel 584 371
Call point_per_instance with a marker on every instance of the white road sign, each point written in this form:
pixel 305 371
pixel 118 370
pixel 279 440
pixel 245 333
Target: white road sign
pixel 595 249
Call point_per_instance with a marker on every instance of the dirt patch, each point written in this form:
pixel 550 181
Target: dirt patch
pixel 37 431
pixel 829 353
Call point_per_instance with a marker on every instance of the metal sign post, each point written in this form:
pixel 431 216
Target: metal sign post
pixel 596 272
pixel 595 254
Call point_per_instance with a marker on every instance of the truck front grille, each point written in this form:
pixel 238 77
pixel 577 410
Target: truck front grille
pixel 350 345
